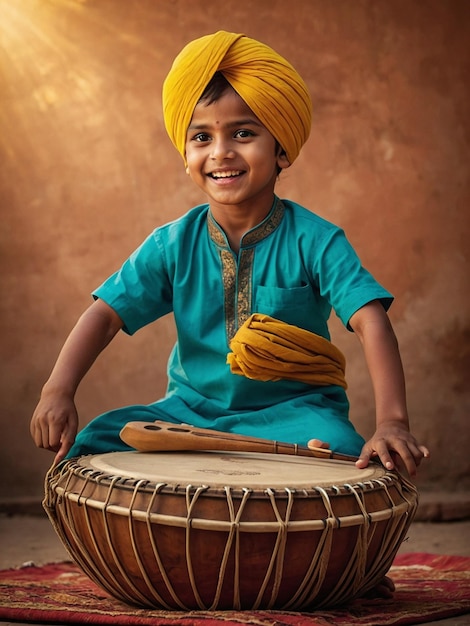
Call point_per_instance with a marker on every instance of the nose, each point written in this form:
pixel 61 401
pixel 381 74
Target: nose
pixel 221 149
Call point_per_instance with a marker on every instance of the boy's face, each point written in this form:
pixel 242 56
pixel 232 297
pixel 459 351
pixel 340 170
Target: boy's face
pixel 230 155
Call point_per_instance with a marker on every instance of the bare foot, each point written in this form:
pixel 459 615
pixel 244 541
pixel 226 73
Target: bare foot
pixel 383 589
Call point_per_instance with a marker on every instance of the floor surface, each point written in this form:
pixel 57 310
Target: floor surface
pixel 25 539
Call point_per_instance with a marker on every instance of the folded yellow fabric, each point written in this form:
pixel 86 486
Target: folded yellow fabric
pixel 267 82
pixel 265 348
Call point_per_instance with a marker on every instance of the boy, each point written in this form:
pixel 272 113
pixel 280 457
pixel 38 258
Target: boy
pixel 239 114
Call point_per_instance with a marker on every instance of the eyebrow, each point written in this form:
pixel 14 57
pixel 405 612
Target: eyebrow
pixel 234 124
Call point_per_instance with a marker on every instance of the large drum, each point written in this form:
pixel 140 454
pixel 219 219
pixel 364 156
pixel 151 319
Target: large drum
pixel 229 530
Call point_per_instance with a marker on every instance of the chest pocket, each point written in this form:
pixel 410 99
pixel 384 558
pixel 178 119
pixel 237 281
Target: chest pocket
pixel 295 305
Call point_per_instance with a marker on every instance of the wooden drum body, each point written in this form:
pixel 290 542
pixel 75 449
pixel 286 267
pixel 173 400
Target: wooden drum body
pixel 229 530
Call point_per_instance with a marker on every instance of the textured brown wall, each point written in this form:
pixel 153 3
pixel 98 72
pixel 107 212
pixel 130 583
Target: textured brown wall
pixel 87 171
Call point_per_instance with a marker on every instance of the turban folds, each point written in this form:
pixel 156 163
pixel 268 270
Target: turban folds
pixel 265 348
pixel 268 84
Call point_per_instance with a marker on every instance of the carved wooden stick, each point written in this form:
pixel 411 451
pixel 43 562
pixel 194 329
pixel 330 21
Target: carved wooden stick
pixel 161 436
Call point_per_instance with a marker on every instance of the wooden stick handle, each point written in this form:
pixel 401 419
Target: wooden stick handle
pixel 161 436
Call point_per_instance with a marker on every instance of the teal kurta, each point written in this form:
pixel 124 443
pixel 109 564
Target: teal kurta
pixel 294 266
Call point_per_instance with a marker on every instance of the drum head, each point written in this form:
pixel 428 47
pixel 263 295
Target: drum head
pixel 235 469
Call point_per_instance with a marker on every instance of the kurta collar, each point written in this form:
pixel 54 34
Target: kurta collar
pixel 253 236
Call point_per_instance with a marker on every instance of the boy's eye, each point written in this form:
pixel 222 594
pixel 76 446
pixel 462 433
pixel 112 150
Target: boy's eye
pixel 244 134
pixel 201 137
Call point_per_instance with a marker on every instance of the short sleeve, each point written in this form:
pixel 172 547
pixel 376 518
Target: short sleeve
pixel 343 280
pixel 140 292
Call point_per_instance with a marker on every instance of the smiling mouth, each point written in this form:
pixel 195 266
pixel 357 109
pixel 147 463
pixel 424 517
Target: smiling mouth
pixel 224 175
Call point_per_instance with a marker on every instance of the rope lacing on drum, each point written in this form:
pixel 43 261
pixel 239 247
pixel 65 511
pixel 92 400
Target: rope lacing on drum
pixel 191 500
pixel 234 535
pixel 397 526
pixel 387 548
pixel 412 501
pixel 156 552
pixel 75 529
pixel 111 544
pixel 277 557
pixel 352 577
pixel 53 502
pixel 143 571
pixel 406 485
pixel 52 479
pixel 315 575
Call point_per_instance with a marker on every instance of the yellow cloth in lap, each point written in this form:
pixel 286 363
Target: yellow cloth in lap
pixel 265 349
pixel 269 85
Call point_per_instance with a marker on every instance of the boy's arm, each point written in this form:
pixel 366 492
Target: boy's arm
pixel 54 424
pixel 392 437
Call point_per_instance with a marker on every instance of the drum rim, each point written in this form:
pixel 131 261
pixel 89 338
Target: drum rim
pixel 60 489
pixel 386 480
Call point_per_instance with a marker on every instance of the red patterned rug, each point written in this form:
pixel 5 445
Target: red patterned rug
pixel 429 587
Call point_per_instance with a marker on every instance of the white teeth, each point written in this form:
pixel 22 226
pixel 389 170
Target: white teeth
pixel 225 174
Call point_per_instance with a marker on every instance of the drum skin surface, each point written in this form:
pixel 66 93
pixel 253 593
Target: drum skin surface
pixel 229 530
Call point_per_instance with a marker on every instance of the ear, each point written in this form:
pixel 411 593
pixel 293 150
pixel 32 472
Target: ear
pixel 282 160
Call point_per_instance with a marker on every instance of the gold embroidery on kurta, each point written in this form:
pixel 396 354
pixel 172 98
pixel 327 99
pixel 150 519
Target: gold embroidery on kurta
pixel 229 277
pixel 265 228
pixel 216 233
pixel 245 270
pixel 237 277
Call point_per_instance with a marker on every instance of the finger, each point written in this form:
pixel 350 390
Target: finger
pixel 33 430
pixel 409 457
pixel 318 443
pixel 425 452
pixel 62 433
pixel 44 430
pixel 67 439
pixel 61 454
pixel 54 437
pixel 64 449
pixel 364 458
pixel 36 434
pixel 418 453
pixel 385 456
pixel 39 434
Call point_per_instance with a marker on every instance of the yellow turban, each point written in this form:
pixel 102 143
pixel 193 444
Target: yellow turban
pixel 265 348
pixel 269 85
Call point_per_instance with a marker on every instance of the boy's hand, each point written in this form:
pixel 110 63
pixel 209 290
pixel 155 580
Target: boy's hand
pixel 54 424
pixel 395 446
